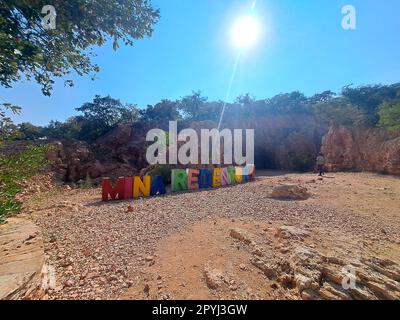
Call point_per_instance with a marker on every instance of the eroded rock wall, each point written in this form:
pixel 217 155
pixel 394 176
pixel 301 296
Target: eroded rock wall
pixel 362 149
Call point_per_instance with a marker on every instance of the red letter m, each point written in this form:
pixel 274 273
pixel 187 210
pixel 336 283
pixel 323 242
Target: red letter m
pixel 117 192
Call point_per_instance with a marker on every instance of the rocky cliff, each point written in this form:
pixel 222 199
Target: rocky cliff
pixel 120 152
pixel 281 143
pixel 362 149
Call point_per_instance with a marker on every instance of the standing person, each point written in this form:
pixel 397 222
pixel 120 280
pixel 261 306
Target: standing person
pixel 321 163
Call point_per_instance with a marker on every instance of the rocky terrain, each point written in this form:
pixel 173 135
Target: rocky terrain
pixel 254 259
pixel 21 260
pixel 234 242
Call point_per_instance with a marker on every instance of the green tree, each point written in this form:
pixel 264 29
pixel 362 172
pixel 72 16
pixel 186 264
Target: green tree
pixel 100 116
pixel 71 128
pixel 288 103
pixel 245 100
pixel 130 114
pixel 161 113
pixel 28 50
pixel 368 98
pixel 30 132
pixel 389 115
pixel 4 106
pixel 191 105
pixel 337 111
pixel 321 97
pixel 8 130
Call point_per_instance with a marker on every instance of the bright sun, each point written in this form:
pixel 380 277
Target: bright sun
pixel 245 32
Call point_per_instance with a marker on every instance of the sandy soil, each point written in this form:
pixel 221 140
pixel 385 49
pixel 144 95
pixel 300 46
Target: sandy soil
pixel 234 242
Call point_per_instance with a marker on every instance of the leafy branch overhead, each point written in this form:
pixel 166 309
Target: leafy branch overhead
pixel 28 50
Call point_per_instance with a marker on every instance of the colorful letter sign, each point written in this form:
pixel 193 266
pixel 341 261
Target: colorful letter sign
pixel 182 180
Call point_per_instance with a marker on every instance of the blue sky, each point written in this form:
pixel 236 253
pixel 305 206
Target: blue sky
pixel 303 47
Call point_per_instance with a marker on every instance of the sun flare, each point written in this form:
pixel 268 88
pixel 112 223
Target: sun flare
pixel 245 31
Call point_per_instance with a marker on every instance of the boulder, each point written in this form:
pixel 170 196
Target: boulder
pixel 290 192
pixel 291 232
pixel 213 277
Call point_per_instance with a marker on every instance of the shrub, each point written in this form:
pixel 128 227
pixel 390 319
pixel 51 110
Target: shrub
pixel 164 171
pixel 87 184
pixel 389 115
pixel 13 170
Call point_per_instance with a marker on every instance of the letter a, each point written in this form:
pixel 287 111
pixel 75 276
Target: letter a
pixel 349 20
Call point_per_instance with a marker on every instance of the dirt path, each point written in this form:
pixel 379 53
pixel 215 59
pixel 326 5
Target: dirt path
pixel 182 246
pixel 364 193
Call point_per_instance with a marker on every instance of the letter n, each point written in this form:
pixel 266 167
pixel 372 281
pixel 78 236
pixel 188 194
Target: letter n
pixel 141 187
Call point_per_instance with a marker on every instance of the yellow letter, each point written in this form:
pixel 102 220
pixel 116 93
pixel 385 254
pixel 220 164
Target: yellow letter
pixel 217 177
pixel 140 186
pixel 239 175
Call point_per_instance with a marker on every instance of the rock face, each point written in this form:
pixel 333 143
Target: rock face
pixel 120 152
pixel 284 142
pixel 290 192
pixel 361 149
pixel 281 142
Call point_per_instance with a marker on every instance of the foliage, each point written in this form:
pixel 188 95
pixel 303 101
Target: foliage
pixel 389 115
pixel 161 113
pixel 162 170
pixel 71 128
pixel 29 131
pixel 87 184
pixel 130 114
pixel 337 111
pixel 100 116
pixel 27 49
pixel 354 106
pixel 368 98
pixel 104 111
pixel 191 105
pixel 288 103
pixel 14 169
pixel 8 130
pixel 245 100
pixel 8 106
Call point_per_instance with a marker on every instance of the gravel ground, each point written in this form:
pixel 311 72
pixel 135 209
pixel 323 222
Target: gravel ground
pixel 99 250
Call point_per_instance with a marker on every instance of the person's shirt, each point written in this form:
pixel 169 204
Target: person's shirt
pixel 320 160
